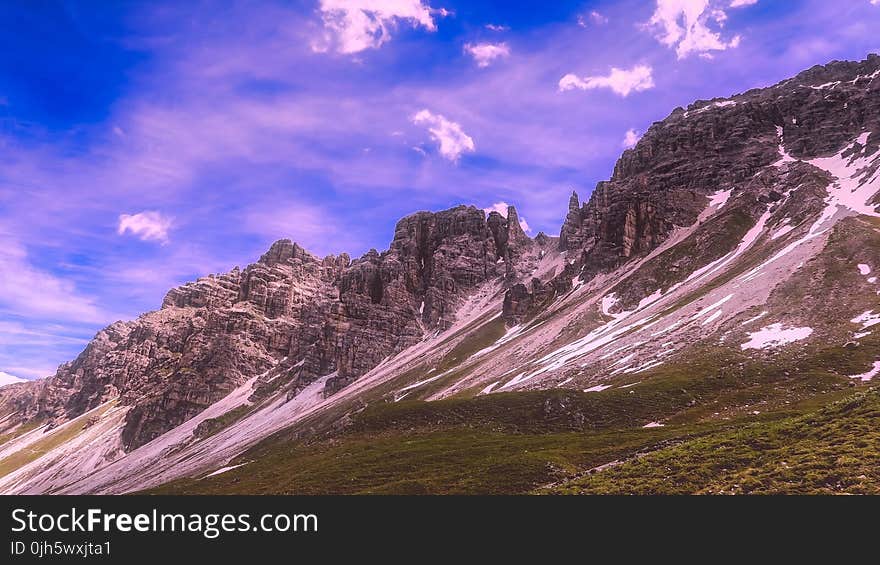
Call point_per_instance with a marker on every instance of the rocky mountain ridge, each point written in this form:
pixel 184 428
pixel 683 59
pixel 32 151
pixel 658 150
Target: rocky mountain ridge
pixel 715 237
pixel 329 315
pixel 713 147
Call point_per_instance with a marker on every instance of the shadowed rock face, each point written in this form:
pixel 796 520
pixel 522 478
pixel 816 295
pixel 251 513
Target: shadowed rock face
pixel 308 316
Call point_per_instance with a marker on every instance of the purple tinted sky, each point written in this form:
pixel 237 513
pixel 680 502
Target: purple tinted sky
pixel 145 144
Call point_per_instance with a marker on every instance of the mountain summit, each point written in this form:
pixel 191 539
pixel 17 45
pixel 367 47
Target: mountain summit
pixel 724 271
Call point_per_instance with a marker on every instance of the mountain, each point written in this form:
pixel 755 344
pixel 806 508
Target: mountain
pixel 719 288
pixel 7 379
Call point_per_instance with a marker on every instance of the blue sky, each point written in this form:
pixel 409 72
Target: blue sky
pixel 144 144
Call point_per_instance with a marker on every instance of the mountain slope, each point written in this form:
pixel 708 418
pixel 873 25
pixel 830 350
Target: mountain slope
pixel 726 268
pixel 833 450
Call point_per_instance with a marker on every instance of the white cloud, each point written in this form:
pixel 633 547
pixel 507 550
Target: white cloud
pixel 620 81
pixel 17 333
pixel 501 208
pixel 452 139
pixel 148 226
pixel 485 53
pixel 494 27
pixel 631 138
pixel 685 26
pixel 357 25
pixel 593 17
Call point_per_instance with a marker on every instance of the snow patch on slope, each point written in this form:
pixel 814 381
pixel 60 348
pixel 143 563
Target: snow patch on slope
pixel 865 377
pixel 785 228
pixel 755 319
pixel 851 188
pixel 775 335
pixel 222 470
pixel 718 199
pixel 746 242
pixel 867 319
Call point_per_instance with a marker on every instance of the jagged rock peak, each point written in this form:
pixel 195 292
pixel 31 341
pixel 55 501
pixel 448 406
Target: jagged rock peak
pixel 341 261
pixel 421 227
pixel 283 250
pixel 569 235
pixel 542 239
pixel 514 228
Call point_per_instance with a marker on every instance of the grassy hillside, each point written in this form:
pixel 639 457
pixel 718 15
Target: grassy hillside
pixel 548 441
pixel 420 448
pixel 833 450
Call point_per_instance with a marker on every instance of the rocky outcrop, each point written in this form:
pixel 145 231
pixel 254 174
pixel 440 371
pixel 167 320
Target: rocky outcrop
pixel 570 236
pixel 293 313
pixel 510 239
pixel 718 145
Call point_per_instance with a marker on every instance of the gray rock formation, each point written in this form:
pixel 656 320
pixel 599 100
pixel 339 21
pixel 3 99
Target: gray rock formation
pixel 716 145
pixel 300 314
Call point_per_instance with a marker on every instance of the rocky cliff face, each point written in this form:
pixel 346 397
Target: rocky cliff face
pixel 298 314
pixel 711 147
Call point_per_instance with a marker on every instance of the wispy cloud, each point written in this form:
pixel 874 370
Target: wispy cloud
pixel 33 292
pixel 620 81
pixel 29 348
pixel 357 25
pixel 630 138
pixel 486 53
pixel 593 17
pixel 146 226
pixel 449 135
pixel 312 227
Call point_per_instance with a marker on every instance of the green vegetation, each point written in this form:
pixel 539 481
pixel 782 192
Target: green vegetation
pixel 542 441
pixel 836 449
pixel 20 430
pixel 830 450
pixel 51 439
pixel 421 461
pixel 709 242
pixel 213 425
pixel 484 336
pixel 479 338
